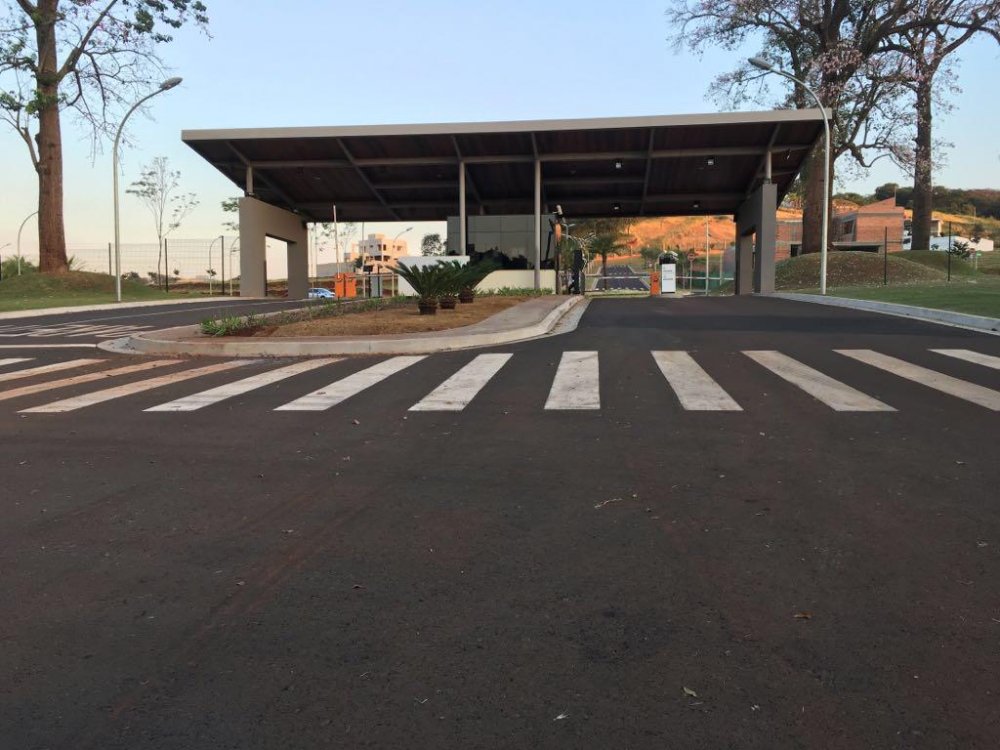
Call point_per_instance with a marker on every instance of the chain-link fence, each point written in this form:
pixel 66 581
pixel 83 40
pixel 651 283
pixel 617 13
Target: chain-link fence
pixel 210 263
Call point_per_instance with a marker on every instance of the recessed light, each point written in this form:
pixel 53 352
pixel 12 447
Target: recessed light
pixel 710 161
pixel 617 206
pixel 697 204
pixel 618 164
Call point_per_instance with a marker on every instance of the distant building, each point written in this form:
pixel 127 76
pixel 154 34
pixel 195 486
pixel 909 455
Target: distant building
pixel 377 253
pixel 862 228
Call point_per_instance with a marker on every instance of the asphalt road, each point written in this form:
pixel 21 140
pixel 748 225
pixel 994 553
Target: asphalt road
pixel 82 328
pixel 642 574
pixel 622 278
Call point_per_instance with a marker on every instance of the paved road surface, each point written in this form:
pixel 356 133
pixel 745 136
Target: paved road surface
pixel 622 278
pixel 706 522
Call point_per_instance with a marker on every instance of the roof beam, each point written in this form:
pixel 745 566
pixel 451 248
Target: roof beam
pixel 263 179
pixel 762 166
pixel 468 176
pixel 649 168
pixel 364 178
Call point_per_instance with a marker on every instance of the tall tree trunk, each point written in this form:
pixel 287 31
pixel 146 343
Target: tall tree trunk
pixel 812 203
pixel 923 202
pixel 51 230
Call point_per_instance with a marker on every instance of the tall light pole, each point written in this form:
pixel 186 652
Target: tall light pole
pixel 19 240
pixel 408 229
pixel 760 62
pixel 165 86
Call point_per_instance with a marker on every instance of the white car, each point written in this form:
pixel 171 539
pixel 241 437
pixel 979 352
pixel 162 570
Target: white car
pixel 321 293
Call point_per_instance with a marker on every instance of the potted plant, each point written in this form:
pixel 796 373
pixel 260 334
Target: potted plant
pixel 426 281
pixel 472 274
pixel 453 280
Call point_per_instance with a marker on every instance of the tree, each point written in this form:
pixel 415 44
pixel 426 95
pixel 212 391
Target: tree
pixel 93 57
pixel 231 206
pixel 650 254
pixel 604 237
pixel 431 244
pixel 927 50
pixel 157 189
pixel 842 49
pixel 886 191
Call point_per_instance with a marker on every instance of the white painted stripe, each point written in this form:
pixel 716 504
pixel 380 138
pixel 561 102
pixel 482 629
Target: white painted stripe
pixel 45 369
pixel 695 388
pixel 456 392
pixel 129 389
pixel 48 346
pixel 343 389
pixel 971 356
pixel 215 395
pixel 577 383
pixel 838 396
pixel 14 360
pixel 80 379
pixel 966 391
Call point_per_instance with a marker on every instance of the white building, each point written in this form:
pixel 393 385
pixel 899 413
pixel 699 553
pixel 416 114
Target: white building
pixel 377 253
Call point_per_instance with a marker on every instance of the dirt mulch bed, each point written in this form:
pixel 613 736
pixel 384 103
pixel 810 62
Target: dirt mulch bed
pixel 404 319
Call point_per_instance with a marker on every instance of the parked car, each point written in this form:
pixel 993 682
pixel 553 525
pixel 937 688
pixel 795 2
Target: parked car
pixel 321 293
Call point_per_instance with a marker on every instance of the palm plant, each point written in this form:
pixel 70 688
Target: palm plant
pixel 472 275
pixel 427 281
pixel 452 280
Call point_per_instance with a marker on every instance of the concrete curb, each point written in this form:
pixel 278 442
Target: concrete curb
pixel 168 341
pixel 925 314
pixel 15 314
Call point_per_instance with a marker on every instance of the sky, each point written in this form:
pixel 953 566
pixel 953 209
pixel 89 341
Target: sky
pixel 312 62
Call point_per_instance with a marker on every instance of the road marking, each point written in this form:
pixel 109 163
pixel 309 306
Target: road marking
pixel 456 392
pixel 838 396
pixel 343 389
pixel 129 389
pixel 695 388
pixel 215 395
pixel 48 346
pixel 576 384
pixel 80 379
pixel 15 360
pixel 45 369
pixel 971 356
pixel 971 392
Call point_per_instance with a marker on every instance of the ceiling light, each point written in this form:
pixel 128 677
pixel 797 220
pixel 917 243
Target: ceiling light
pixel 618 164
pixel 696 204
pixel 617 206
pixel 710 161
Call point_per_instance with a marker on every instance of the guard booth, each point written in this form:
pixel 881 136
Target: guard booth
pixel 667 264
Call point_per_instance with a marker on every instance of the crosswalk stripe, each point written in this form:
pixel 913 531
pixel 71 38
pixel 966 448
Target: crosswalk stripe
pixel 456 392
pixel 14 360
pixel 971 356
pixel 215 395
pixel 838 396
pixel 966 391
pixel 45 369
pixel 80 379
pixel 97 397
pixel 576 384
pixel 695 388
pixel 343 389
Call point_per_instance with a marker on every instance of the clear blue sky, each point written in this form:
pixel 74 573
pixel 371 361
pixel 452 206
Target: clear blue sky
pixel 303 62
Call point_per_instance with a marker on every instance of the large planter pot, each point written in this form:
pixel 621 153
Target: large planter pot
pixel 448 301
pixel 427 306
pixel 466 296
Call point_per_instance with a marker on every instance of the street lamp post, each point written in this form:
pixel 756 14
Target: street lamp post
pixel 760 62
pixel 19 240
pixel 165 86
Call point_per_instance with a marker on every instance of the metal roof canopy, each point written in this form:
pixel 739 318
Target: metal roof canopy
pixel 630 166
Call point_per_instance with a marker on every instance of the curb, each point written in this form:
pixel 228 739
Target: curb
pixel 41 312
pixel 928 315
pixel 165 341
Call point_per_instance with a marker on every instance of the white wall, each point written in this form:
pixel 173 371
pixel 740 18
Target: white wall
pixel 496 280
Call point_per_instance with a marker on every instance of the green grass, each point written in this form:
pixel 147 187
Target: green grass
pixel 975 297
pixel 35 291
pixel 938 260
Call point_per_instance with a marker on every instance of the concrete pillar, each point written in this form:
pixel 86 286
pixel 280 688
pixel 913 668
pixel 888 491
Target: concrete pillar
pixel 757 217
pixel 258 221
pixel 463 219
pixel 538 224
pixel 767 227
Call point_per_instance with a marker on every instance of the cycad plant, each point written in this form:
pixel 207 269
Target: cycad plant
pixel 473 274
pixel 427 281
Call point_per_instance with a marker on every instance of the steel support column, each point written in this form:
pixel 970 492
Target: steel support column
pixel 538 224
pixel 463 220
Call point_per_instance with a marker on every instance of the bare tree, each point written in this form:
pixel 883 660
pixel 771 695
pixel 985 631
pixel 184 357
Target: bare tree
pixel 927 50
pixel 843 48
pixel 157 189
pixel 94 57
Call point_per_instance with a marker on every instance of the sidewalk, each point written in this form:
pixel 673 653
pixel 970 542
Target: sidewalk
pixel 528 320
pixel 925 314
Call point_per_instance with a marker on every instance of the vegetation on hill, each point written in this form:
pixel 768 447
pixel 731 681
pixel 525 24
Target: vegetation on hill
pixel 850 268
pixel 32 291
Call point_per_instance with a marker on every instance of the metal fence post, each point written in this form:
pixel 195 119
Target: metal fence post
pixel 949 251
pixel 222 265
pixel 111 272
pixel 166 267
pixel 885 258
